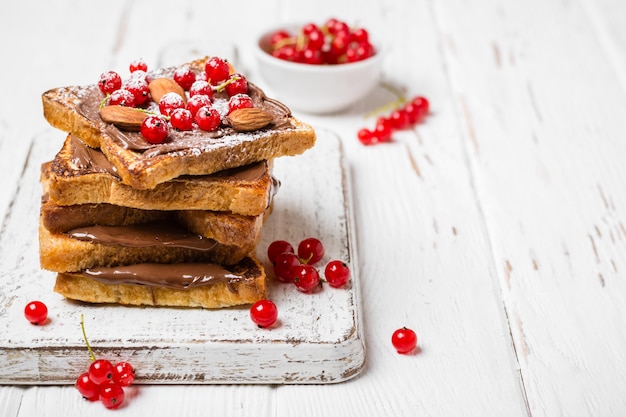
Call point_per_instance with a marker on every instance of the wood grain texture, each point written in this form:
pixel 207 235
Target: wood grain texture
pixel 496 228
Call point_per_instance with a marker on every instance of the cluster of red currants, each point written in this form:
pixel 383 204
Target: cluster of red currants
pixel 175 111
pixel 104 381
pixel 298 267
pixel 332 43
pixel 407 115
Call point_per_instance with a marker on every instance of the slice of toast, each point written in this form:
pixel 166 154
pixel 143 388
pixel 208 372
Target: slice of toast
pixel 82 175
pixel 213 287
pixel 103 246
pixel 223 227
pixel 143 165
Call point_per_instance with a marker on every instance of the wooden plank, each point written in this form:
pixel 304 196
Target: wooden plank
pixel 318 338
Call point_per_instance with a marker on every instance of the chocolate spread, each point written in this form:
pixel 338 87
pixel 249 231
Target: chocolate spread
pixel 177 276
pixel 143 235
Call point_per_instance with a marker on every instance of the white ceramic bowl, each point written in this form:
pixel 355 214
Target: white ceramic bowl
pixel 319 89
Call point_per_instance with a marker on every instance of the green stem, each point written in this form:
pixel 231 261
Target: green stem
pixel 82 326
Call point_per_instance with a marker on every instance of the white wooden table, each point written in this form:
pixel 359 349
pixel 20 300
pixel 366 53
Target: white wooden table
pixel 496 229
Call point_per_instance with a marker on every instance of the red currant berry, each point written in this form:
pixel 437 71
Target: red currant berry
pixel 306 278
pixel 139 89
pixel 239 101
pixel 138 65
pixel 122 97
pixel 366 137
pixel 264 313
pixel 284 264
pixel 278 38
pixel 276 248
pixel 310 250
pixel 360 35
pixel 217 70
pixel 412 112
pixel 423 106
pixel 181 119
pixel 196 102
pixel 311 56
pixel 336 26
pixel 208 118
pixel 87 388
pixel 237 85
pixel 140 75
pixel 36 312
pixel 154 129
pixel 109 82
pixel 339 44
pixel 100 371
pixel 286 53
pixel 123 374
pixel 404 340
pixel 399 119
pixel 383 130
pixel 185 77
pixel 169 102
pixel 111 395
pixel 201 87
pixel 337 274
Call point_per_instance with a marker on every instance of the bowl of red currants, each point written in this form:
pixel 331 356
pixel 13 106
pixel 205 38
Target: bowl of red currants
pixel 319 68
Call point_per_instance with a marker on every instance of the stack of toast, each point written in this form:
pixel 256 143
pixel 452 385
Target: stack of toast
pixel 128 222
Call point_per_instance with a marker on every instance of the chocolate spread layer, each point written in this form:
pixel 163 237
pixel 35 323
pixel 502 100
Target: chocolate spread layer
pixel 176 276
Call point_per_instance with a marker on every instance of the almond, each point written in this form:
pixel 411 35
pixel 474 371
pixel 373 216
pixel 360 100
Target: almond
pixel 126 118
pixel 249 119
pixel 161 86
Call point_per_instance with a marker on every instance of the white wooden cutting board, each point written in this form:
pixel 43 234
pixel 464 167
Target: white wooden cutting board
pixel 318 338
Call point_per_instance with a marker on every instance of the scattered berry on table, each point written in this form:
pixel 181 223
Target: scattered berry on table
pixel 310 250
pixel 306 278
pixel 276 248
pixel 264 313
pixel 404 340
pixel 337 273
pixel 36 312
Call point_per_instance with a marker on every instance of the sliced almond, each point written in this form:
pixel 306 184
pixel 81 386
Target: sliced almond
pixel 249 119
pixel 161 86
pixel 126 118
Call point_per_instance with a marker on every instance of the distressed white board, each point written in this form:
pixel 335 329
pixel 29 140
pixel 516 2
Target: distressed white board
pixel 318 338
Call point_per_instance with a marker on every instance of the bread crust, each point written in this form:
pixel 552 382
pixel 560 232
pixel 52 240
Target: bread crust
pixel 217 295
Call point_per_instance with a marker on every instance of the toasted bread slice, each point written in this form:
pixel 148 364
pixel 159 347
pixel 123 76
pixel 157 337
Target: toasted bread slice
pixel 82 175
pixel 102 246
pixel 143 165
pixel 225 228
pixel 213 287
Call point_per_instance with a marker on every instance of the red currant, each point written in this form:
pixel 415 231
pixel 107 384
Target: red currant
pixel 264 313
pixel 306 278
pixel 283 266
pixel 237 85
pixel 201 87
pixel 111 395
pixel 217 70
pixel 337 274
pixel 154 129
pixel 122 97
pixel 140 75
pixel 239 101
pixel 278 38
pixel 422 104
pixel 36 312
pixel 139 89
pixel 109 82
pixel 399 119
pixel 311 56
pixel 100 371
pixel 383 129
pixel 366 137
pixel 310 250
pixel 404 340
pixel 196 102
pixel 169 102
pixel 286 52
pixel 87 388
pixel 360 35
pixel 123 374
pixel 138 65
pixel 185 77
pixel 276 248
pixel 181 119
pixel 208 118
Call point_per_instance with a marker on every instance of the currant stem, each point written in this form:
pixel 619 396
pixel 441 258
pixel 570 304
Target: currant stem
pixel 82 326
pixel 399 101
pixel 222 86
